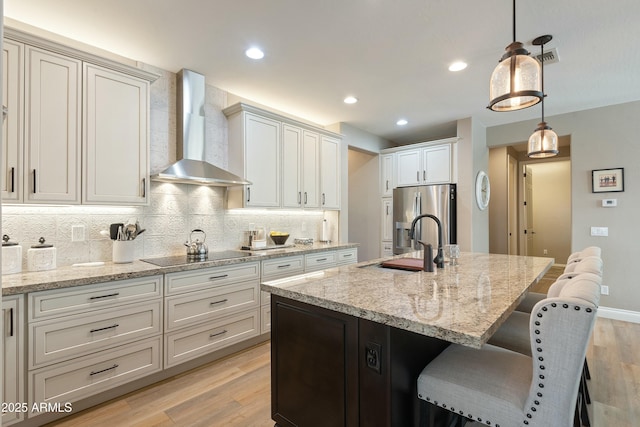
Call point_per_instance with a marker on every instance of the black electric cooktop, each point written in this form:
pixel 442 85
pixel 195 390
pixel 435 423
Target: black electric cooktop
pixel 171 261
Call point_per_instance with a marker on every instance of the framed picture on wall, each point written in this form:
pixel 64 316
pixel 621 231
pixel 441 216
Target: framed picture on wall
pixel 607 180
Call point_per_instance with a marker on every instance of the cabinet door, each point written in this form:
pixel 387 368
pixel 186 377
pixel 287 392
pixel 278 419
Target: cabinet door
pixel 116 122
pixel 291 166
pixel 53 130
pixel 437 165
pixel 386 175
pixel 13 366
pixel 310 169
pixel 409 168
pixel 12 124
pixel 387 219
pixel 262 161
pixel 330 173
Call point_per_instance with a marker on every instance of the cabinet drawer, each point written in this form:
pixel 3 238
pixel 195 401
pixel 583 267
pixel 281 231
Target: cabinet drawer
pixel 190 343
pixel 80 299
pixel 282 267
pixel 319 261
pixel 85 376
pixel 73 336
pixel 347 256
pixel 196 307
pixel 198 280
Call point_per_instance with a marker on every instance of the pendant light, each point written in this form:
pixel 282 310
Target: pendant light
pixel 544 141
pixel 515 82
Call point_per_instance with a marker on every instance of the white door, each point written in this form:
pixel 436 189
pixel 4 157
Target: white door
pixel 512 206
pixel 116 145
pixel 12 123
pixel 528 231
pixel 53 131
pixel 409 168
pixel 329 173
pixel 262 161
pixel 310 169
pixel 291 166
pixel 436 165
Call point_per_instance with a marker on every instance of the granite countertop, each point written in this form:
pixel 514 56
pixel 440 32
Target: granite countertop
pixel 463 304
pixel 69 276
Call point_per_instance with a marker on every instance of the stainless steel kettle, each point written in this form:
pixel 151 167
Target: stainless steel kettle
pixel 197 248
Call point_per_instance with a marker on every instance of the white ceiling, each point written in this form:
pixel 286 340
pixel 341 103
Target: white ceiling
pixel 392 55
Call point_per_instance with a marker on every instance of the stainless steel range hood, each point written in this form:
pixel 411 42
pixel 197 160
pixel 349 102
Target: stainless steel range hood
pixel 191 168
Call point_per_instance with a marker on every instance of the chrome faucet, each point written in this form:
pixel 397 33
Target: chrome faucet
pixel 439 259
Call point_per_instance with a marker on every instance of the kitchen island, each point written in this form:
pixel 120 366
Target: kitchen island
pixel 348 343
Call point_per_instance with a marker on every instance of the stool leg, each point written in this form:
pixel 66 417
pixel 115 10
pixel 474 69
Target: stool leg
pixel 585 388
pixel 586 369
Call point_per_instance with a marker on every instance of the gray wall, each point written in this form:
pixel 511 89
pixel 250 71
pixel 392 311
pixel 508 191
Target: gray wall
pixel 601 138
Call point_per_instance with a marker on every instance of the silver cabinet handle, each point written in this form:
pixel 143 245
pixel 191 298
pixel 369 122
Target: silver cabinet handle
pixel 347 255
pixel 305 197
pixel 424 175
pixel 218 334
pixel 387 184
pixel 104 329
pixel 222 301
pixel 321 259
pixel 144 187
pixel 92 373
pixel 323 199
pixel 417 175
pixel 248 194
pixel 284 266
pixel 222 276
pixel 299 197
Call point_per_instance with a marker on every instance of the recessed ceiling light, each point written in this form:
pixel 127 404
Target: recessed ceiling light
pixel 401 122
pixel 350 100
pixel 458 66
pixel 254 53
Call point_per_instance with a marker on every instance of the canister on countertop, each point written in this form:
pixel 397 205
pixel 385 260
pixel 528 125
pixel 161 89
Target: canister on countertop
pixel 11 256
pixel 41 257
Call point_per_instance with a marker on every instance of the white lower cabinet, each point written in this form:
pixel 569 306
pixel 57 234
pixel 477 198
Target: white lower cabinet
pixel 347 256
pixel 209 309
pixel 320 261
pixel 88 339
pixel 13 357
pixel 85 376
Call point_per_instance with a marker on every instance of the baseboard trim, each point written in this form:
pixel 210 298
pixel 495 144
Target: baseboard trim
pixel 619 314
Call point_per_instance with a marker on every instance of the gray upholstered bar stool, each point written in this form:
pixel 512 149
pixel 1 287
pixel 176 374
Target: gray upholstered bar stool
pixel 588 251
pixel 588 264
pixel 499 387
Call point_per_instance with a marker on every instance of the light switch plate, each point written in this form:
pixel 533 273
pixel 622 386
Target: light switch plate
pixel 600 231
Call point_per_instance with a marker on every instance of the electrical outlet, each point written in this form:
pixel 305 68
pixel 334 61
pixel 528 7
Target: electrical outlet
pixel 373 354
pixel 77 233
pixel 604 290
pixel 545 252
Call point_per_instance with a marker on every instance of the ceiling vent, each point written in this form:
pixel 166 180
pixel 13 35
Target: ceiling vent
pixel 549 56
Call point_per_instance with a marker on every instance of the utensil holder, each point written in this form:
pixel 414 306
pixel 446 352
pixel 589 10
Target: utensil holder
pixel 123 251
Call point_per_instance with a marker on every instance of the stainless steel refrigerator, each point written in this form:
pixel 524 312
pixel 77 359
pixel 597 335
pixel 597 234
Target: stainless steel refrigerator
pixel 409 202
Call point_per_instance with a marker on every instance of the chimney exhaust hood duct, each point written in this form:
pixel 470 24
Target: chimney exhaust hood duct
pixel 191 168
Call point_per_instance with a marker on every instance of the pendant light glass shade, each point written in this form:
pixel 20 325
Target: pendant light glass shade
pixel 543 142
pixel 515 82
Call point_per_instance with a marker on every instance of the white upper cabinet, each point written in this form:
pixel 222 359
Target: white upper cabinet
pixel 254 153
pixel 290 164
pixel 12 124
pixel 116 141
pixel 77 129
pixel 330 173
pixel 53 124
pixel 430 165
pixel 386 174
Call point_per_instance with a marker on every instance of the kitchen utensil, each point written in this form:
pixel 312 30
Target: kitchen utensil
pixel 105 233
pixel 197 248
pixel 113 230
pixel 130 231
pixel 41 257
pixel 11 256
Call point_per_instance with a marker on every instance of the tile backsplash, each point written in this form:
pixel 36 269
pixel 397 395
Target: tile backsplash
pixel 174 209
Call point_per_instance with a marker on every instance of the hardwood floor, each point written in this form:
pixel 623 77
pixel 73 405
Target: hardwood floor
pixel 235 391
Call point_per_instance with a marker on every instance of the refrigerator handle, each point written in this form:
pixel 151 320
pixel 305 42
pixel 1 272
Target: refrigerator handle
pixel 417 210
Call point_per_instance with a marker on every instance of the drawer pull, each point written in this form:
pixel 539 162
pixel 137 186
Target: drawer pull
pixel 104 329
pixel 321 259
pixel 103 370
pixel 218 334
pixel 105 296
pixel 347 255
pixel 284 266
pixel 218 277
pixel 218 302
